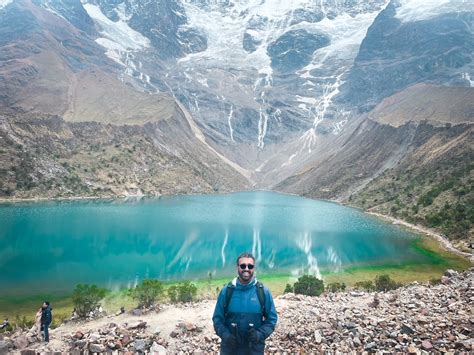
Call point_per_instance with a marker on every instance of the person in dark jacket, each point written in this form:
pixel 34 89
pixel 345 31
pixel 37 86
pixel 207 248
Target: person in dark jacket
pixel 46 318
pixel 247 320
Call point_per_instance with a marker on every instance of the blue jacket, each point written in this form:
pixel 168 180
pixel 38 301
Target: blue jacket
pixel 244 309
pixel 46 316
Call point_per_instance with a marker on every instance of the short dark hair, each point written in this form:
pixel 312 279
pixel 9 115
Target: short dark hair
pixel 47 303
pixel 245 255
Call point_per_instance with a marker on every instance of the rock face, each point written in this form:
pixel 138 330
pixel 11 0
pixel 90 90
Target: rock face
pixel 411 48
pixel 412 319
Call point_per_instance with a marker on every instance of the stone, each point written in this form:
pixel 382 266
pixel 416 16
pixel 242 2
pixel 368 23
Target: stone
pixel 190 327
pixel 126 340
pixel 28 352
pixel 350 325
pixel 174 334
pixel 370 346
pixel 445 280
pixel 81 343
pixel 317 337
pixel 158 349
pixel 412 349
pixel 407 330
pixel 425 344
pixel 93 337
pixel 21 342
pixel 138 325
pixel 357 341
pixel 79 335
pixel 139 345
pixel 96 348
pixel 137 312
pixel 450 273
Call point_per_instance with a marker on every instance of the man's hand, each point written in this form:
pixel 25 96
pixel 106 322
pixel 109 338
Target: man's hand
pixel 231 341
pixel 253 336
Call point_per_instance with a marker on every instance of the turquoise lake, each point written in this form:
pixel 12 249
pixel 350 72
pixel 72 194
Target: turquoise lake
pixel 52 246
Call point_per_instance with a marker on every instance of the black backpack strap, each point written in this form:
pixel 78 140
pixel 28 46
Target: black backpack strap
pixel 261 298
pixel 260 294
pixel 228 295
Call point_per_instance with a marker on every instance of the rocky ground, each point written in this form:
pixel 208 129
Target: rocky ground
pixel 416 318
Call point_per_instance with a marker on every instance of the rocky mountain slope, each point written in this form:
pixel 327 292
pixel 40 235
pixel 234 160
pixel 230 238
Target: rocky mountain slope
pixel 49 157
pixel 411 157
pixel 411 319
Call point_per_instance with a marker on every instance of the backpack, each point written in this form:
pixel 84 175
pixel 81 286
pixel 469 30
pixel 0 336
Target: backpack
pixel 260 294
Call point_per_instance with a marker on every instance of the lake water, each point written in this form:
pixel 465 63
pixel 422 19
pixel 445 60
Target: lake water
pixel 52 246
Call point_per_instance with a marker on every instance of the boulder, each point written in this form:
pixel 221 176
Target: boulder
pixel 21 342
pixel 450 273
pixel 79 335
pixel 96 348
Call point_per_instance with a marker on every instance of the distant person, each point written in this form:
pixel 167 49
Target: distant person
pixel 46 318
pixel 245 314
pixel 36 328
pixel 5 324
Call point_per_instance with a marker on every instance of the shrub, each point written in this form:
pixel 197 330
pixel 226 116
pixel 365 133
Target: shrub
pixel 86 298
pixel 23 323
pixel 365 285
pixel 288 289
pixel 173 293
pixel 147 292
pixel 336 286
pixel 309 285
pixel 183 292
pixel 385 283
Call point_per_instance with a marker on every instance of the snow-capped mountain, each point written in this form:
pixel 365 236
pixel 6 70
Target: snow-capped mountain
pixel 249 71
pixel 267 82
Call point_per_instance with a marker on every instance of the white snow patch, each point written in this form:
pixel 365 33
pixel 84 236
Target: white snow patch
pixel 118 34
pixel 467 77
pixel 4 3
pixel 307 100
pixel 417 10
pixel 229 118
pixel 262 128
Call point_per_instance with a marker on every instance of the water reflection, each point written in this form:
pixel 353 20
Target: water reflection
pixel 54 246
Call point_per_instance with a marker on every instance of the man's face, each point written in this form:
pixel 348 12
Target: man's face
pixel 245 269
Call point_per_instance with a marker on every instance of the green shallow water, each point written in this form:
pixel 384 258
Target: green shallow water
pixel 52 246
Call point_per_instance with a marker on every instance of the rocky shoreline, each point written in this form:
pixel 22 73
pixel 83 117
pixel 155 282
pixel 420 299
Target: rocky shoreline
pixel 416 318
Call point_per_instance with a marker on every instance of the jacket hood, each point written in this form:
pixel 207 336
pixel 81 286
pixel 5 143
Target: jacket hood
pixel 238 285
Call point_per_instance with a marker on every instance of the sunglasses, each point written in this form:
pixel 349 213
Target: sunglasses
pixel 248 266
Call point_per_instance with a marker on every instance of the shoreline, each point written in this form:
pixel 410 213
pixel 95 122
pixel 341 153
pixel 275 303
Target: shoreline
pixel 443 241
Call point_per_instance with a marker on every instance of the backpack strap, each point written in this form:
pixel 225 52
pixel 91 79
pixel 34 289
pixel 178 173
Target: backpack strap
pixel 228 295
pixel 260 294
pixel 261 298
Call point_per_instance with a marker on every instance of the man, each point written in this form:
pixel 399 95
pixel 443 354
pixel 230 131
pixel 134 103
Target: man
pixel 245 314
pixel 46 318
